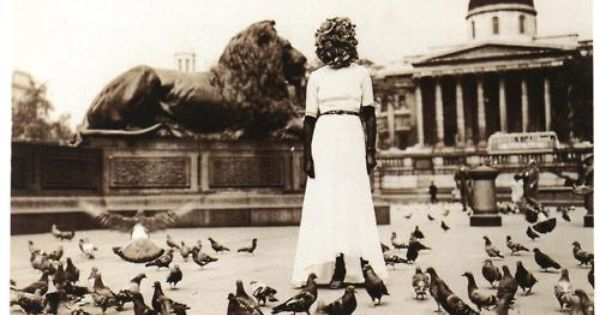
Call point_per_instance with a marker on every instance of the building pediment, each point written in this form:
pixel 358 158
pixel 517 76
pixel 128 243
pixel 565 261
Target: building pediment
pixel 490 52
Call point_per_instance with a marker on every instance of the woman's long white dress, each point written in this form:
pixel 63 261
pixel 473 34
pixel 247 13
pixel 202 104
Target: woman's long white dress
pixel 338 214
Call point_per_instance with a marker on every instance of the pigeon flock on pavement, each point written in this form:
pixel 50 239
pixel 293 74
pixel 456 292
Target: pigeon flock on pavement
pixel 60 289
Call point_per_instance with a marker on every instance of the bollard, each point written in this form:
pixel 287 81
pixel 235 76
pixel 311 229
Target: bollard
pixel 483 198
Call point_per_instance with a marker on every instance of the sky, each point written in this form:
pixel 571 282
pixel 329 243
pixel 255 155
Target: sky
pixel 77 46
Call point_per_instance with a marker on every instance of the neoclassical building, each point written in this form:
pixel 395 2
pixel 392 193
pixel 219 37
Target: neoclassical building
pixel 504 78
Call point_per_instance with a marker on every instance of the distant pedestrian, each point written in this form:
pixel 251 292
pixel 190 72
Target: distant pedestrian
pixel 433 190
pixel 461 178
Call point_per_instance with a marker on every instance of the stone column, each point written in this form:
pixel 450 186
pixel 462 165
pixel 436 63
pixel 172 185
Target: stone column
pixel 439 114
pixel 524 104
pixel 419 114
pixel 483 197
pixel 391 122
pixel 502 104
pixel 460 112
pixel 547 102
pixel 481 111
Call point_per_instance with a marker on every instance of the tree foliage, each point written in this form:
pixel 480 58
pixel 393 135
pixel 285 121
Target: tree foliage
pixel 31 118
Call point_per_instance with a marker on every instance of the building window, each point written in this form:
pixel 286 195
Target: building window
pixel 473 29
pixel 496 25
pixel 522 24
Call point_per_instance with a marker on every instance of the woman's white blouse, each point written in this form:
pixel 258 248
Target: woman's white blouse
pixel 346 89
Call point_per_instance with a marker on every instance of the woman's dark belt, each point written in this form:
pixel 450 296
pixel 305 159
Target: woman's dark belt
pixel 340 112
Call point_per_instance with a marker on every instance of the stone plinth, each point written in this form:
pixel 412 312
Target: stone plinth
pixel 485 212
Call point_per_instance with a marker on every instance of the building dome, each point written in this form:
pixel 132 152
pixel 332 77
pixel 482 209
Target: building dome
pixel 474 4
pixel 502 20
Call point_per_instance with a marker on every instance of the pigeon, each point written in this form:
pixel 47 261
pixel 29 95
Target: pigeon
pixel 444 226
pixel 171 243
pixel 420 283
pixel 263 292
pixel 41 284
pixel 249 249
pixel 584 258
pixel 430 217
pixel 59 278
pixel 392 259
pixel 373 284
pixel 514 247
pixel 139 306
pixel 185 251
pixel 103 296
pixel 478 297
pixel 524 278
pixel 240 293
pixel 71 271
pixel 175 275
pixel 581 303
pixel 57 253
pixel 31 303
pixel 133 287
pixel 413 250
pixel 508 285
pixel 384 248
pixel 345 305
pixel 216 246
pixel 41 262
pixel 545 226
pixel 532 234
pixel 490 249
pixel 161 303
pixel 591 275
pixel 446 212
pixel 237 306
pixel 339 272
pixel 162 261
pixel 60 234
pixel 140 249
pixel 564 211
pixel 201 258
pixel 544 261
pixel 87 248
pixel 563 290
pixel 417 233
pixel 92 277
pixel 302 301
pixel 408 216
pixel 503 305
pixel 396 243
pixel 445 298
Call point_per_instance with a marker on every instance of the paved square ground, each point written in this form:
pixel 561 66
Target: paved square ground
pixel 205 290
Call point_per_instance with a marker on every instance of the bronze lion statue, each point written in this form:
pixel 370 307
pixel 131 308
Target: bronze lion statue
pixel 246 94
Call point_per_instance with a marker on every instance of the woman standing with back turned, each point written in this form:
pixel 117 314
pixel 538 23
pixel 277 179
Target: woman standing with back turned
pixel 338 217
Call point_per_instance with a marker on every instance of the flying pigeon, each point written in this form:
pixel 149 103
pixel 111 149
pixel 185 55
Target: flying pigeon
pixel 545 226
pixel 140 249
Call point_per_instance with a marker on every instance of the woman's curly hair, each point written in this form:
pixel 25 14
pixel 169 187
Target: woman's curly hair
pixel 336 42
